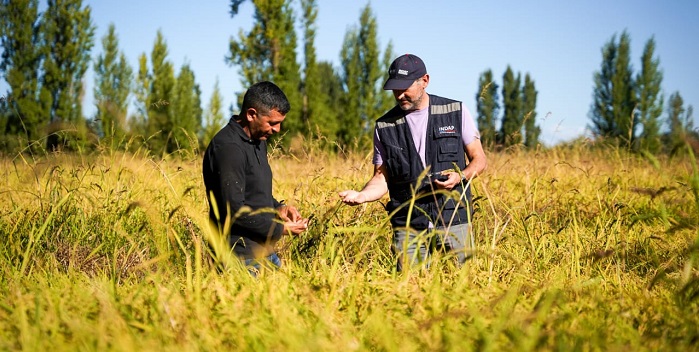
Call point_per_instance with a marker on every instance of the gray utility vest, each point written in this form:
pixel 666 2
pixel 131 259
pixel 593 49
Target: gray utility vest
pixel 444 148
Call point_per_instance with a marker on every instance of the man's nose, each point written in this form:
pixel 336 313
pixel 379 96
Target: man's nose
pixel 276 128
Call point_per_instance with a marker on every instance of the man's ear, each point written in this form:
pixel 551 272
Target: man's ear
pixel 250 114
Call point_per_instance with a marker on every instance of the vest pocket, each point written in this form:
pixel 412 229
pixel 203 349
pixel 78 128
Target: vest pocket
pixel 448 148
pixel 397 161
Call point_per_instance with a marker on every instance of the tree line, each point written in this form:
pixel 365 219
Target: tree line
pixel 45 56
pixel 627 106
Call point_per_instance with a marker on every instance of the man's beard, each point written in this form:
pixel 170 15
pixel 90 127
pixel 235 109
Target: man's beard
pixel 409 105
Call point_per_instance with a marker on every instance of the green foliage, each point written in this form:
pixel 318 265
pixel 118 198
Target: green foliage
pixel 24 115
pixel 214 119
pixel 113 81
pixel 159 99
pixel 512 120
pixel 320 83
pixel 487 107
pixel 268 53
pixel 680 125
pixel 531 130
pixel 138 122
pixel 186 113
pixel 362 78
pixel 650 99
pixel 386 98
pixel 614 100
pixel 68 33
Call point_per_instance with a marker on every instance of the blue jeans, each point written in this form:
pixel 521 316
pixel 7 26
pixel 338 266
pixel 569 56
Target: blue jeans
pixel 270 262
pixel 412 247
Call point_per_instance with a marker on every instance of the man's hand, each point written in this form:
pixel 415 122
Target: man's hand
pixel 295 227
pixel 289 213
pixel 294 223
pixel 454 179
pixel 351 197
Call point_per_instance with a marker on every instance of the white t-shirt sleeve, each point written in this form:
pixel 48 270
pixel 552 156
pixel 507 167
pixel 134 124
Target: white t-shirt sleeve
pixel 378 149
pixel 469 132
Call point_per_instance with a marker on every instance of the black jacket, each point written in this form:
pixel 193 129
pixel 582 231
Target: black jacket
pixel 237 174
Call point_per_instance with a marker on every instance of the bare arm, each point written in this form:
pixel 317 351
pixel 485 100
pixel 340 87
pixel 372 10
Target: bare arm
pixel 476 160
pixel 373 190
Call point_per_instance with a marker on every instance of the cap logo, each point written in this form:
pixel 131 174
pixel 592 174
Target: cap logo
pixel 403 72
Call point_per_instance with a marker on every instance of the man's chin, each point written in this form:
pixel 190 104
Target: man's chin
pixel 406 106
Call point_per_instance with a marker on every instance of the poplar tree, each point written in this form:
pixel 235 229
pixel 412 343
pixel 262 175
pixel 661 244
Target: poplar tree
pixel 386 98
pixel 531 130
pixel 362 78
pixel 612 112
pixel 186 112
pixel 650 98
pixel 331 86
pixel 161 91
pixel 487 106
pixel 67 40
pixel 26 114
pixel 113 77
pixel 213 117
pixel 138 123
pixel 351 119
pixel 680 124
pixel 319 119
pixel 268 53
pixel 511 128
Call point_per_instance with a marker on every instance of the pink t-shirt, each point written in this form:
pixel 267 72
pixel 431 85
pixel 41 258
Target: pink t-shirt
pixel 417 121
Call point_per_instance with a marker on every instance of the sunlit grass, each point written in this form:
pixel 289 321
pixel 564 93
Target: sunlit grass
pixel 577 248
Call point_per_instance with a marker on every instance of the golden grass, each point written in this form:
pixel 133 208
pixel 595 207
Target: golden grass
pixel 577 249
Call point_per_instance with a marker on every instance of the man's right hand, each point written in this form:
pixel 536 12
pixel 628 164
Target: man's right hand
pixel 295 227
pixel 351 197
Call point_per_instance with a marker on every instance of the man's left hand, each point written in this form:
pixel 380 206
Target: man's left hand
pixel 289 213
pixel 454 179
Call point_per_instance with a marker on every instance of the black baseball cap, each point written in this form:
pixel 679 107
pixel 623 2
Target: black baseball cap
pixel 404 71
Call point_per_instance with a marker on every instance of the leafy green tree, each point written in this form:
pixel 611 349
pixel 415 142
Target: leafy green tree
pixel 351 120
pixel 26 114
pixel 680 124
pixel 186 112
pixel 268 53
pixel 531 129
pixel 317 116
pixel 511 128
pixel 386 98
pixel 650 98
pixel 362 77
pixel 614 101
pixel 138 123
pixel 487 106
pixel 67 40
pixel 113 79
pixel 213 118
pixel 331 86
pixel 161 90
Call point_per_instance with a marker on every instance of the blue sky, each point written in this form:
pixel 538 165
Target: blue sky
pixel 557 42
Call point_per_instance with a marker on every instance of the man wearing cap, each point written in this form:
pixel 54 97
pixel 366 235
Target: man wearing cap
pixel 420 151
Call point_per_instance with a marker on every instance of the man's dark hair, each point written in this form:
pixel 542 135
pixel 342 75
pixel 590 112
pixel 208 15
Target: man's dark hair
pixel 264 97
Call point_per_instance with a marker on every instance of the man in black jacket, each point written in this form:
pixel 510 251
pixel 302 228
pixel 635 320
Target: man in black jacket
pixel 238 178
pixel 420 151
